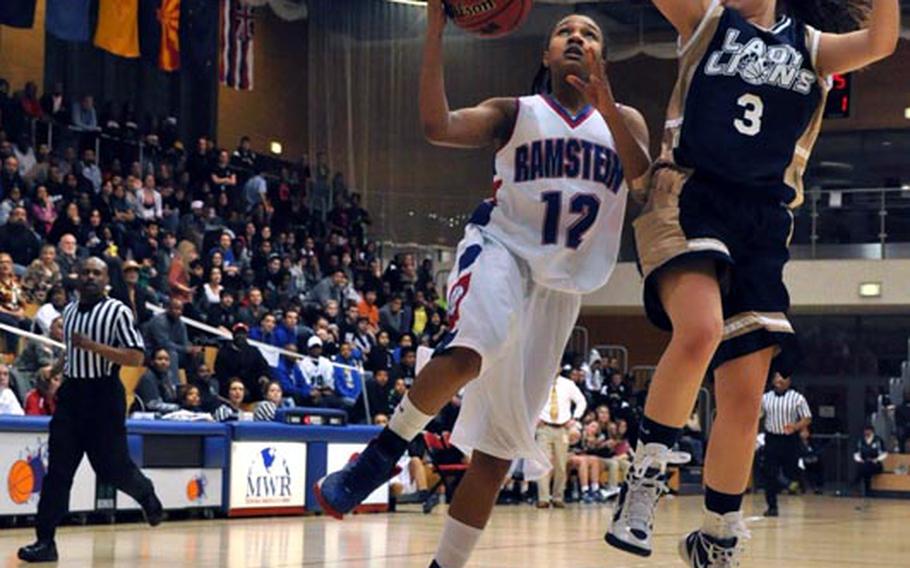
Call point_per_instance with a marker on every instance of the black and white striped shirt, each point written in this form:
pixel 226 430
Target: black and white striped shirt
pixel 109 322
pixel 780 410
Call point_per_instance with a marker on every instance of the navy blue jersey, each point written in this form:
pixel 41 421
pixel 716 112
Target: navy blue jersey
pixel 748 104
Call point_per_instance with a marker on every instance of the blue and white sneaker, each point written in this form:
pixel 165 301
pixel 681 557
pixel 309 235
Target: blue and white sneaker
pixel 645 484
pixel 340 492
pixel 702 550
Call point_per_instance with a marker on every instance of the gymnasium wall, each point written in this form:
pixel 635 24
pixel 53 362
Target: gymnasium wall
pixel 816 286
pixel 880 95
pixel 22 52
pixel 829 288
pixel 277 107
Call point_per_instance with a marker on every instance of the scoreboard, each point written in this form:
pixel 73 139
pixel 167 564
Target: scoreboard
pixel 838 105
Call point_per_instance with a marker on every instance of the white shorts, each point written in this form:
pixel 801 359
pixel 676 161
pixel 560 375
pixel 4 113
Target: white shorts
pixel 520 330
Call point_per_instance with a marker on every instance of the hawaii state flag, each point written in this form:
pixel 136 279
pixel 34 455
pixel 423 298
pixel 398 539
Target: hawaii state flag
pixel 169 17
pixel 236 45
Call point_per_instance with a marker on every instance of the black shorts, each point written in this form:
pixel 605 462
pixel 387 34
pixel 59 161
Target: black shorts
pixel 687 218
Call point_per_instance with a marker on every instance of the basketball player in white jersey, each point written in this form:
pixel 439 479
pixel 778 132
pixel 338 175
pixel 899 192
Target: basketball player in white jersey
pixel 550 234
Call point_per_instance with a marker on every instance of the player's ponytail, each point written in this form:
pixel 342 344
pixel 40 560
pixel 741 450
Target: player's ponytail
pixel 542 83
pixel 835 16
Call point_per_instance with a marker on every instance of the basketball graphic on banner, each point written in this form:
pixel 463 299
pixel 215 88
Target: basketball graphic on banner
pixel 20 481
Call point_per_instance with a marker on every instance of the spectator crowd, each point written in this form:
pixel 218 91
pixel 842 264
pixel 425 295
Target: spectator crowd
pixel 273 256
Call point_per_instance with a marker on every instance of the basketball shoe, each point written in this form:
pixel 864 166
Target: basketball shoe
pixel 645 484
pixel 718 544
pixel 340 492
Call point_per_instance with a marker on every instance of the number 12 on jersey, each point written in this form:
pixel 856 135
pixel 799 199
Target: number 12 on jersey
pixel 583 205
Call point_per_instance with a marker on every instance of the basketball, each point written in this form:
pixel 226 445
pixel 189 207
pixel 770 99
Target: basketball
pixel 488 18
pixel 193 490
pixel 20 482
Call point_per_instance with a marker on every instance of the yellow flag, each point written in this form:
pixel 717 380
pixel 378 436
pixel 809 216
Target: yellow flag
pixel 118 27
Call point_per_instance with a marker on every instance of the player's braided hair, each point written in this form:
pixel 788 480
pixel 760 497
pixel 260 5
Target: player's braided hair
pixel 835 16
pixel 543 82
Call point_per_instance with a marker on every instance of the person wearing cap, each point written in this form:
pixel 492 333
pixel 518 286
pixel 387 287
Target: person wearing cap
pixel 240 359
pixel 134 295
pixel 192 225
pixel 316 372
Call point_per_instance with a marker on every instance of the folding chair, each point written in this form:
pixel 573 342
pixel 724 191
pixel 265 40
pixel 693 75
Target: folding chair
pixel 447 462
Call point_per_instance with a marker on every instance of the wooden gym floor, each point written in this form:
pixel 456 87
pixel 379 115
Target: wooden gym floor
pixel 811 532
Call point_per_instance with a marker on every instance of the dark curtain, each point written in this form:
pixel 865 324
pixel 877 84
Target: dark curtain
pixel 189 94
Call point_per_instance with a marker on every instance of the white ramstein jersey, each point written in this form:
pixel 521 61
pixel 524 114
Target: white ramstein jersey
pixel 560 196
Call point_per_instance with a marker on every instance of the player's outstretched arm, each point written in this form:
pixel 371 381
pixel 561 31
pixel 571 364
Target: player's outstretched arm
pixel 685 15
pixel 841 53
pixel 466 128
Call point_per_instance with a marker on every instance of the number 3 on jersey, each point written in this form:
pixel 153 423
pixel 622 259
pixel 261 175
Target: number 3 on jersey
pixel 750 123
pixel 584 205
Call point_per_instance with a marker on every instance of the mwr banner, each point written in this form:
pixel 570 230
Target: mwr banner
pixel 23 462
pixel 268 475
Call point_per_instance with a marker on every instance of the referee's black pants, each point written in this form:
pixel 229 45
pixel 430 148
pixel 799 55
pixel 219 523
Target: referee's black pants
pixel 781 453
pixel 89 419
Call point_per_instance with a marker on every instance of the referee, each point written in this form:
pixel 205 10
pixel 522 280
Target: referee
pixel 786 413
pixel 100 336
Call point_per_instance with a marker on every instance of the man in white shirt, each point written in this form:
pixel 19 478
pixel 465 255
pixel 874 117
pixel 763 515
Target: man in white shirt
pixel 555 421
pixel 317 372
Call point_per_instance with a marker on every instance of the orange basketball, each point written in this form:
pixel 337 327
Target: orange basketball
pixel 192 490
pixel 488 18
pixel 20 481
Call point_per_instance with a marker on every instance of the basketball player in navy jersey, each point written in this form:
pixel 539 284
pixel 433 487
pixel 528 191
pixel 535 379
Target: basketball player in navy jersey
pixel 550 235
pixel 713 237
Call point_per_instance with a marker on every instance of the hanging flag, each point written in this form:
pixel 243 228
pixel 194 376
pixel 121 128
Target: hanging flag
pixel 236 45
pixel 118 27
pixel 17 13
pixel 68 19
pixel 169 17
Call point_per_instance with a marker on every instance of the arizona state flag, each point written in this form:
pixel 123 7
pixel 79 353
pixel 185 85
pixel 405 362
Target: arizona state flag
pixel 169 17
pixel 118 27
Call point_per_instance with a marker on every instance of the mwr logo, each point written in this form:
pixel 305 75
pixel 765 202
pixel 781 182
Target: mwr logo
pixel 25 477
pixel 195 488
pixel 759 64
pixel 268 478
